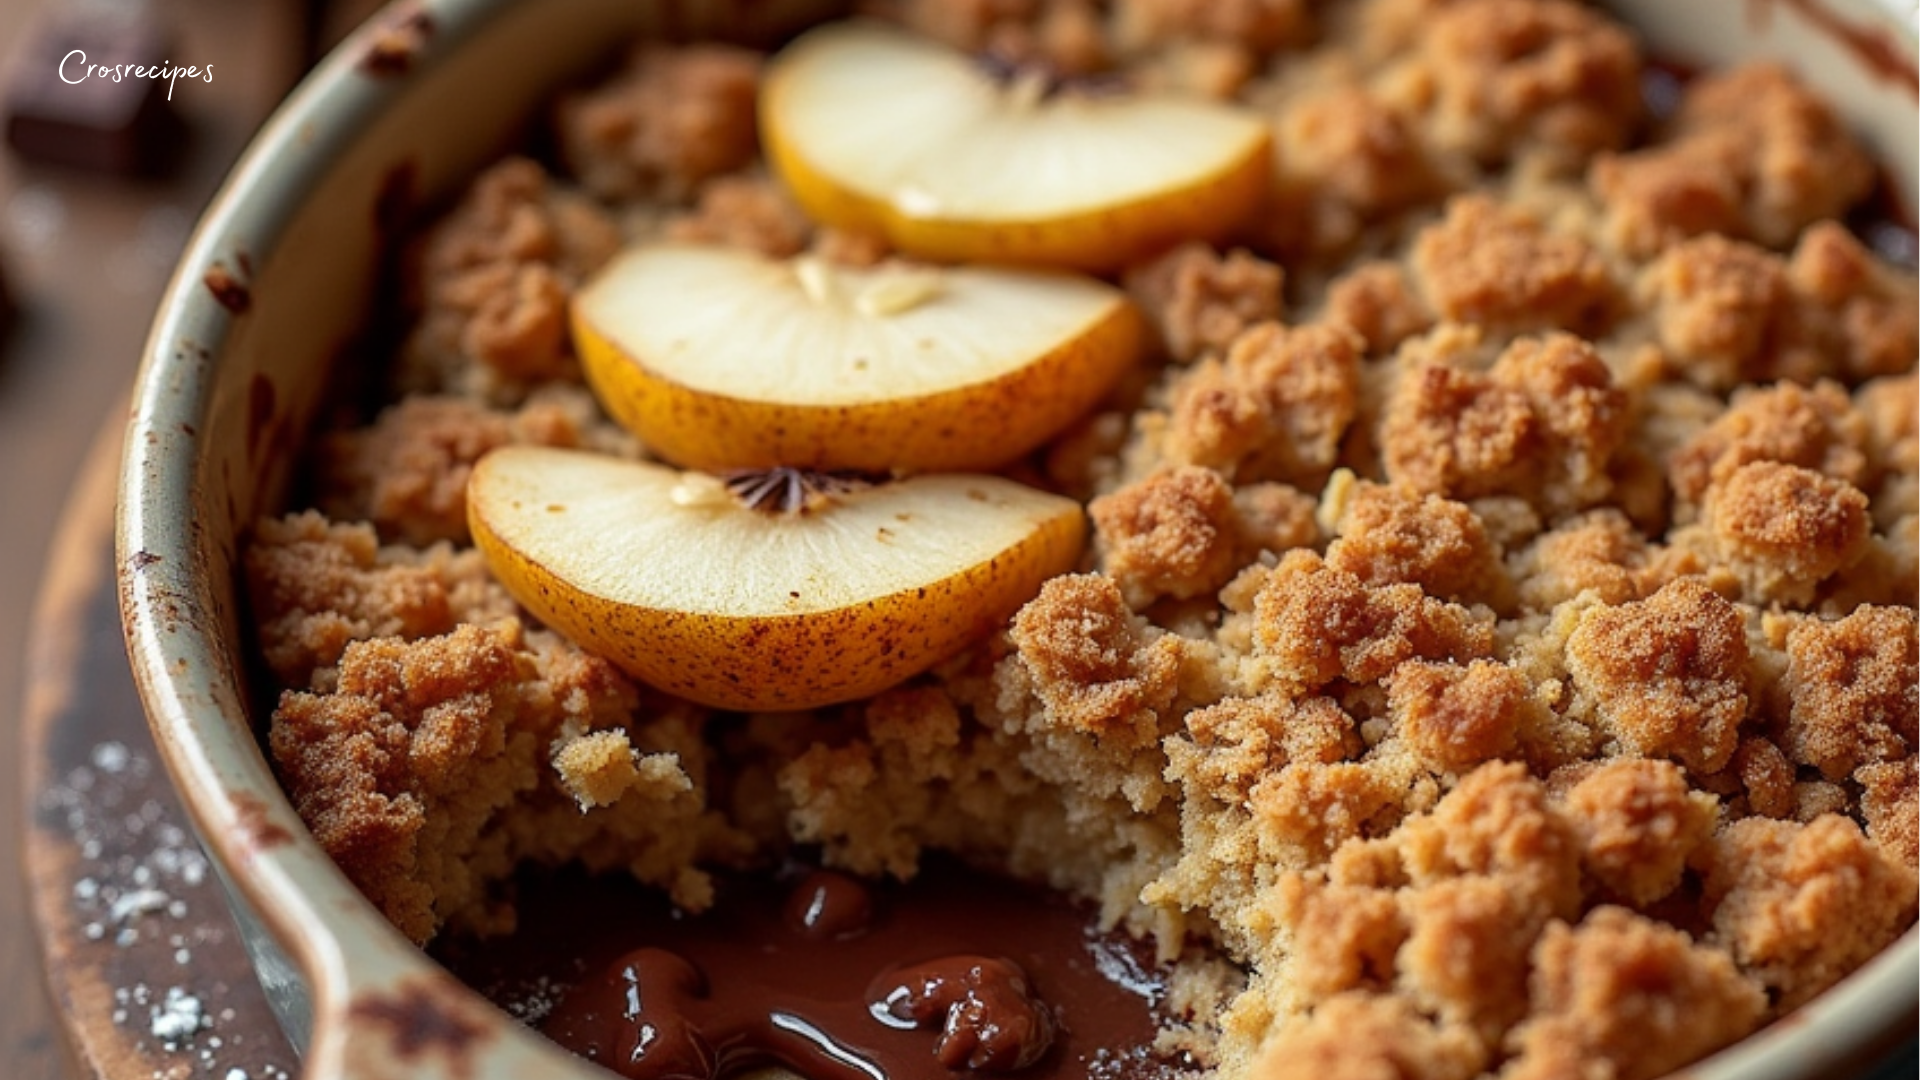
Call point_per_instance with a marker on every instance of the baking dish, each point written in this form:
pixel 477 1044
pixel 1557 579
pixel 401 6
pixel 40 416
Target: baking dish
pixel 274 286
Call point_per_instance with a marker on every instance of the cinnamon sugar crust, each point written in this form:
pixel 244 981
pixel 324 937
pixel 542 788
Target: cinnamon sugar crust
pixel 1497 652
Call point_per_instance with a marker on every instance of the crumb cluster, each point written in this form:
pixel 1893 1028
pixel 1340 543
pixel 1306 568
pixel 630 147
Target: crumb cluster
pixel 1497 650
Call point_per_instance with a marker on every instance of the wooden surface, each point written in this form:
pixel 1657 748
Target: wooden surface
pixel 86 258
pixel 145 968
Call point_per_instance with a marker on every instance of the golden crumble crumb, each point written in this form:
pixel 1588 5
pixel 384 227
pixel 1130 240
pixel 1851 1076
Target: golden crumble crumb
pixel 1200 300
pixel 1666 677
pixel 1375 863
pixel 410 728
pixel 1817 798
pixel 1855 690
pixel 1599 550
pixel 1784 529
pixel 1073 37
pixel 350 797
pixel 1641 823
pixel 1491 266
pixel 316 587
pixel 751 211
pixel 1092 666
pixel 1802 905
pixel 1455 717
pixel 1542 424
pixel 1274 517
pixel 1874 309
pixel 1888 574
pixel 1552 79
pixel 1378 301
pixel 1465 958
pixel 515 213
pixel 1365 1036
pixel 1752 153
pixel 674 117
pixel 407 472
pixel 1890 803
pixel 518 328
pixel 1662 194
pixel 596 768
pixel 1274 409
pixel 1207 68
pixel 850 247
pixel 1622 996
pixel 1244 739
pixel 1801 163
pixel 1498 822
pixel 1890 408
pixel 1306 811
pixel 426 769
pixel 494 277
pixel 1387 534
pixel 970 25
pixel 1260 25
pixel 1347 160
pixel 1171 534
pixel 1725 315
pixel 1767 776
pixel 1316 623
pixel 1812 427
pixel 1345 936
pixel 825 784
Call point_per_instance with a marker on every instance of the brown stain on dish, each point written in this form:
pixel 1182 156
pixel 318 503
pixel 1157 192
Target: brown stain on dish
pixel 394 201
pixel 261 399
pixel 1876 49
pixel 252 825
pixel 397 44
pixel 227 289
pixel 143 559
pixel 422 1018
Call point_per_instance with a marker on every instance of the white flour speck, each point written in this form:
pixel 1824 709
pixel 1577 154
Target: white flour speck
pixel 179 1018
pixel 111 757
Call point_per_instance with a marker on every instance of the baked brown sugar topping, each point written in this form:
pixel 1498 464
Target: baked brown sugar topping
pixel 1493 649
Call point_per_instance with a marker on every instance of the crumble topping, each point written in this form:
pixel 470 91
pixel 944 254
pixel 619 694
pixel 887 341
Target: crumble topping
pixel 1496 653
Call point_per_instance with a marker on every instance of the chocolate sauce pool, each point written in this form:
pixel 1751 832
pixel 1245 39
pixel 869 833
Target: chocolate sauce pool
pixel 956 974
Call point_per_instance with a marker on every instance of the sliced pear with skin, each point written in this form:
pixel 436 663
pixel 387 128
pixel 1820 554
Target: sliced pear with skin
pixel 718 357
pixel 875 129
pixel 683 585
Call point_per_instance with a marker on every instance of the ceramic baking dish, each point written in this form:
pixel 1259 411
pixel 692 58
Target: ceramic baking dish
pixel 277 281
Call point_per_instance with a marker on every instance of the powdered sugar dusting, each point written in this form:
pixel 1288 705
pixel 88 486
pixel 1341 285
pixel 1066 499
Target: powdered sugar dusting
pixel 144 898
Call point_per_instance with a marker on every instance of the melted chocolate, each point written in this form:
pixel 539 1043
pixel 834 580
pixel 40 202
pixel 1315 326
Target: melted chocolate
pixel 952 975
pixel 989 1018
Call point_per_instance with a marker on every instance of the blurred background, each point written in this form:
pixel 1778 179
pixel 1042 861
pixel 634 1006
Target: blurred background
pixel 100 183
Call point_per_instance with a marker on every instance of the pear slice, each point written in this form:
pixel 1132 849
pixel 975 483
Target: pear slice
pixel 874 129
pixel 687 587
pixel 720 358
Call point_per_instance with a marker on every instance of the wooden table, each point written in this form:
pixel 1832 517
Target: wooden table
pixel 87 257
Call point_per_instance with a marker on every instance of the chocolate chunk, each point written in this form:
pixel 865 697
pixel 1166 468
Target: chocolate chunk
pixel 91 92
pixel 655 1035
pixel 990 1019
pixel 829 906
